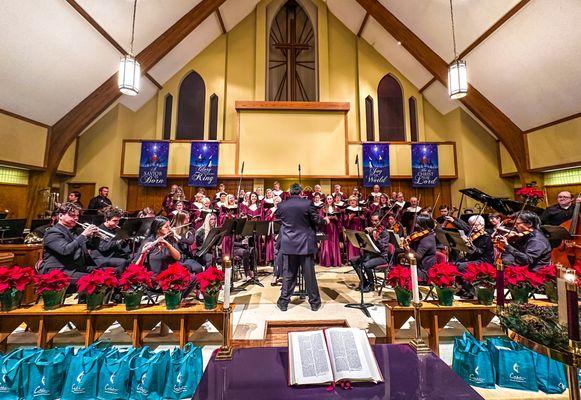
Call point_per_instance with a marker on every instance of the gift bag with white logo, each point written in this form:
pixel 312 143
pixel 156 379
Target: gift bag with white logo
pixel 14 372
pixel 551 376
pixel 184 372
pixel 514 365
pixel 148 374
pixel 46 374
pixel 115 374
pixel 83 373
pixel 472 361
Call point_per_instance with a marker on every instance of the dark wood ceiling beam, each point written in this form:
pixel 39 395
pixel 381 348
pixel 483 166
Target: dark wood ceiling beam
pixel 509 134
pixel 427 85
pixel 221 21
pixel 363 23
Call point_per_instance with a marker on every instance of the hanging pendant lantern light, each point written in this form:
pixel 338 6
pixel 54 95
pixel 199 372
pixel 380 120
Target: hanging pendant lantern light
pixel 129 69
pixel 457 72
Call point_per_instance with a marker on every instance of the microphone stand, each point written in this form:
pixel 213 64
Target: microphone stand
pixel 240 182
pixel 300 181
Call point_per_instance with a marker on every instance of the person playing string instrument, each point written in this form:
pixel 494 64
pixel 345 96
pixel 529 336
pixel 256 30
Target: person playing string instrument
pixel 210 221
pixel 111 253
pixel 479 241
pixel 392 225
pixel 422 243
pixel 159 249
pixel 560 212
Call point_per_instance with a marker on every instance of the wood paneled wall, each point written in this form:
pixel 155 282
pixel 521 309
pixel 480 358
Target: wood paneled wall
pixel 14 198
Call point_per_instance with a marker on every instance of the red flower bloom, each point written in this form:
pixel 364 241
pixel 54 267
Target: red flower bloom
pixel 480 274
pixel 210 281
pixel 53 281
pixel 548 273
pixel 136 277
pixel 98 280
pixel 400 277
pixel 15 278
pixel 521 277
pixel 530 193
pixel 443 275
pixel 175 278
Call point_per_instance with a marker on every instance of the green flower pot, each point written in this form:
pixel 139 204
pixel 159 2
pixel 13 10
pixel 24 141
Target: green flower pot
pixel 10 299
pixel 52 299
pixel 172 300
pixel 485 295
pixel 551 292
pixel 519 295
pixel 404 296
pixel 133 300
pixel 95 300
pixel 445 296
pixel 210 301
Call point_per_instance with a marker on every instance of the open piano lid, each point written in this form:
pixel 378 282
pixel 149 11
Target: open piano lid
pixel 500 204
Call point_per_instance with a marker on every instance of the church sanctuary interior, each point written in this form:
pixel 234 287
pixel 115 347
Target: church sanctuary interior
pixel 290 199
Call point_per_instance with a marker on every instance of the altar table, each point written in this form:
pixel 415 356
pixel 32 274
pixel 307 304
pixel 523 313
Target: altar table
pixel 261 373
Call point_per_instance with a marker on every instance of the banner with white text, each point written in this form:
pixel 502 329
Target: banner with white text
pixel 153 163
pixel 425 171
pixel 204 164
pixel 376 164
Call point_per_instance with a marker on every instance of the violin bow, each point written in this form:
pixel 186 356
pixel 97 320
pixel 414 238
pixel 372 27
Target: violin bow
pixel 416 214
pixel 460 206
pixel 434 206
pixel 479 214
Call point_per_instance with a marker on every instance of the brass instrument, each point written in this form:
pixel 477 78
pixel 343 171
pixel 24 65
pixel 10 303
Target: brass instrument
pixel 104 235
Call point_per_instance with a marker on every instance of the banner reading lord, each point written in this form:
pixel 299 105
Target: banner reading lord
pixel 204 164
pixel 153 163
pixel 425 165
pixel 376 164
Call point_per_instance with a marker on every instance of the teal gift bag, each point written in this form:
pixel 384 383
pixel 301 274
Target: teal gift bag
pixel 46 374
pixel 14 372
pixel 115 374
pixel 83 373
pixel 551 376
pixel 148 374
pixel 184 372
pixel 472 361
pixel 514 365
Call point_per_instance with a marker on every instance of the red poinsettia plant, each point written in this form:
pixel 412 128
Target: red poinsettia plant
pixel 530 193
pixel 98 280
pixel 175 278
pixel 53 281
pixel 443 275
pixel 210 281
pixel 400 277
pixel 16 278
pixel 520 277
pixel 136 278
pixel 480 275
pixel 548 274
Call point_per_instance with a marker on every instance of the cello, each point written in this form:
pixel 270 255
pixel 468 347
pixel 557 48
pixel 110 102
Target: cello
pixel 568 253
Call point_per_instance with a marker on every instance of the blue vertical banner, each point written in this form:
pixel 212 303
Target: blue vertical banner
pixel 204 164
pixel 425 171
pixel 376 164
pixel 153 163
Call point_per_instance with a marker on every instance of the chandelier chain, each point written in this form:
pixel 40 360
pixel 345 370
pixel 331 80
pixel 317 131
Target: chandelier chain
pixel 453 30
pixel 133 26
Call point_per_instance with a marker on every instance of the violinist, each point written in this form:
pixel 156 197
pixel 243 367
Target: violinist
pixel 422 243
pixel 392 225
pixel 186 241
pixel 353 219
pixel 526 244
pixel 479 241
pixel 159 249
pixel 210 221
pixel 560 212
pixel 368 261
pixel 444 212
pixel 496 220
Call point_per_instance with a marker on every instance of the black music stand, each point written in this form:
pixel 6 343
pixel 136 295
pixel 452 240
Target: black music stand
pixel 232 227
pixel 253 229
pixel 213 239
pixel 11 229
pixel 37 223
pixel 362 241
pixel 93 219
pixel 452 239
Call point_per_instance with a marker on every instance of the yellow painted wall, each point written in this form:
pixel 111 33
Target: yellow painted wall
pixel 67 163
pixel 22 142
pixel 555 145
pixel 507 165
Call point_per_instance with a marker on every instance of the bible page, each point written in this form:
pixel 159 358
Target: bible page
pixel 310 359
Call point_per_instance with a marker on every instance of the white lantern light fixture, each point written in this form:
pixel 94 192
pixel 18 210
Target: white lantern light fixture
pixel 457 72
pixel 129 69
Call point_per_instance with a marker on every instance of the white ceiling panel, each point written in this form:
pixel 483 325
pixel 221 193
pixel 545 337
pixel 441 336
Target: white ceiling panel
pixel 146 92
pixel 529 68
pixel 349 12
pixel 153 17
pixel 188 48
pixel 399 57
pixel 51 58
pixel 234 11
pixel 437 95
pixel 430 20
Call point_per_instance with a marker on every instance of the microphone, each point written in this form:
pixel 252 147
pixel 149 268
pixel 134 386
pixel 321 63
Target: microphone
pixel 357 159
pixel 299 167
pixel 242 168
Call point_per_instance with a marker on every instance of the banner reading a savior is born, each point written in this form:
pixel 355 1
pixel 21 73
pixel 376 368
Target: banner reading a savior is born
pixel 376 164
pixel 153 163
pixel 204 164
pixel 425 165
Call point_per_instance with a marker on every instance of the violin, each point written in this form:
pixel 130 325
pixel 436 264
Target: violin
pixel 415 236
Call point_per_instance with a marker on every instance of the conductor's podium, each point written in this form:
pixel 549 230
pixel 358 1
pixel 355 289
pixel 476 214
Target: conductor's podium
pixel 474 317
pixel 92 324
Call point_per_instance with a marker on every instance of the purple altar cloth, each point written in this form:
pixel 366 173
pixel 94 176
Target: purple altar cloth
pixel 261 373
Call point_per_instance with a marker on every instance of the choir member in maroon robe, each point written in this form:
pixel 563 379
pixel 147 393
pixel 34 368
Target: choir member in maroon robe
pixel 196 202
pixel 330 252
pixel 260 193
pixel 374 195
pixel 176 193
pixel 268 201
pixel 222 200
pixel 221 190
pixel 318 201
pixel 355 219
pixel 337 191
pixel 276 190
pixel 227 211
pixel 200 216
pixel 180 206
pixel 338 201
pixel 270 241
pixel 254 212
pixel 317 190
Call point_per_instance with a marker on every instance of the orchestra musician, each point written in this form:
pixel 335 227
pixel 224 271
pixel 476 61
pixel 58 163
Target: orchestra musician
pixel 444 212
pixel 159 249
pixel 560 212
pixel 210 221
pixel 147 212
pixel 75 198
pixel 63 248
pixel 354 219
pixel 526 244
pixel 479 241
pixel 366 263
pixel 422 243
pixel 496 220
pixel 186 241
pixel 393 225
pixel 330 251
pixel 101 200
pixel 41 230
pixel 111 252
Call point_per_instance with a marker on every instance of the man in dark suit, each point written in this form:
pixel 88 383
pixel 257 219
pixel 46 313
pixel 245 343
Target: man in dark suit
pixel 298 245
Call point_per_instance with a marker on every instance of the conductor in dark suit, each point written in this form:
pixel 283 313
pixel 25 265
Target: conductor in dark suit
pixel 298 245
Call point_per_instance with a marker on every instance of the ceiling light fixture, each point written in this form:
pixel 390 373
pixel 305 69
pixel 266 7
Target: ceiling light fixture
pixel 457 73
pixel 129 69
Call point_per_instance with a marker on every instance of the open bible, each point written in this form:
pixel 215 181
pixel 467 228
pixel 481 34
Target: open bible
pixel 331 355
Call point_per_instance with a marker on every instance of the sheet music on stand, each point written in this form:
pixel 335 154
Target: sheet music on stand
pixel 452 239
pixel 214 237
pixel 361 240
